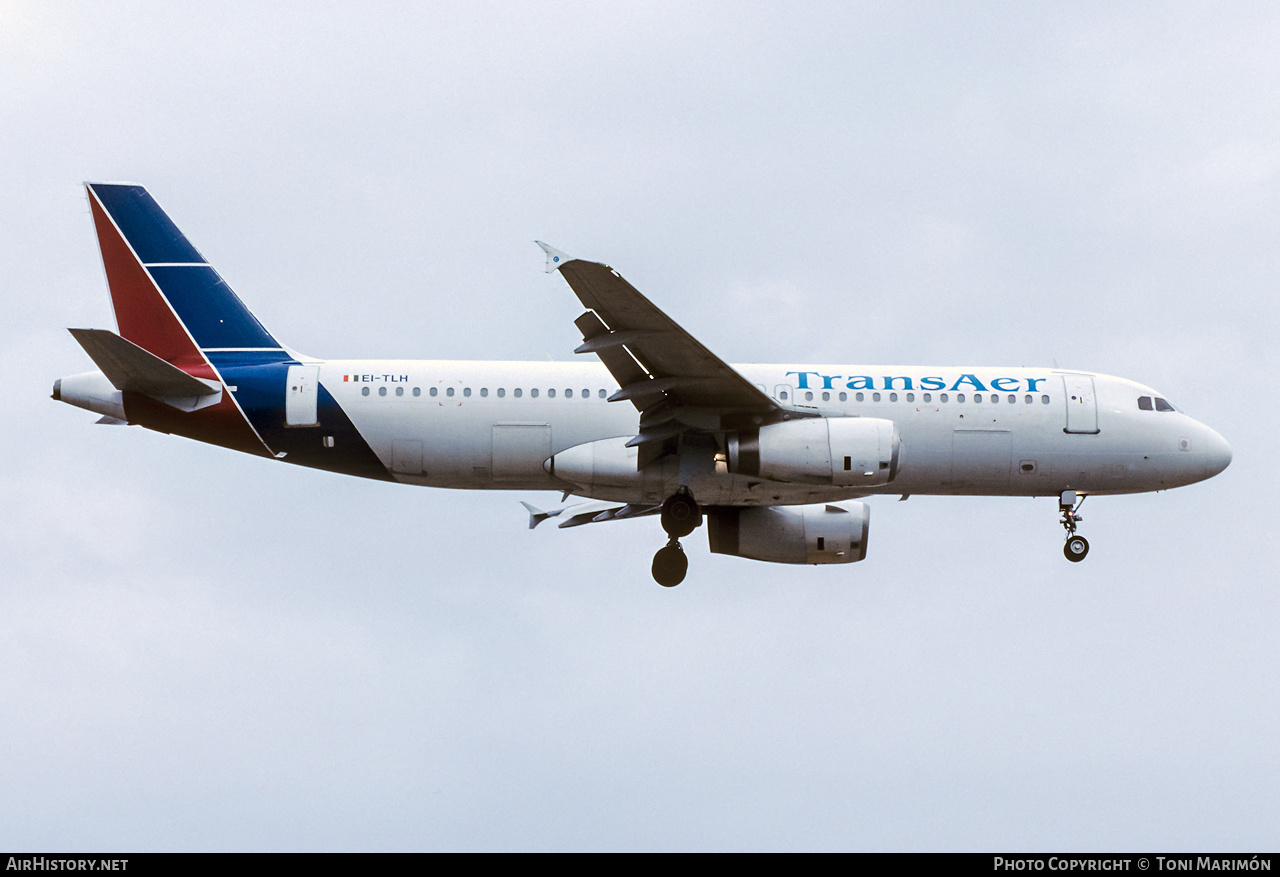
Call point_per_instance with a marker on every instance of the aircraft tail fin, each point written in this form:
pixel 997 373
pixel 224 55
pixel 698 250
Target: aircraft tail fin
pixel 168 300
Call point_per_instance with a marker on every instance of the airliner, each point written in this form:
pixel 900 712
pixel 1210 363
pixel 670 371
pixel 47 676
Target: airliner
pixel 774 459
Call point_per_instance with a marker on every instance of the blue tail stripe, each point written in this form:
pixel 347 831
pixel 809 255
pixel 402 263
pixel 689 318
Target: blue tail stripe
pixel 228 359
pixel 144 225
pixel 212 313
pixel 260 392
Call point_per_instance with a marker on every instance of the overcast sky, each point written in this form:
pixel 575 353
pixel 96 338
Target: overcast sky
pixel 204 650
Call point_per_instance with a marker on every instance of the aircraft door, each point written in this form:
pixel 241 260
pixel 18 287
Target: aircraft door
pixel 1082 404
pixel 519 450
pixel 981 457
pixel 406 457
pixel 301 390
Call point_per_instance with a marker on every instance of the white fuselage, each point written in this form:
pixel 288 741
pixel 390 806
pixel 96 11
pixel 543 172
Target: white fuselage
pixel 972 431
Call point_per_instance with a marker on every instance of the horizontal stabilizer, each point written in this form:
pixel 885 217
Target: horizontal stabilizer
pixel 131 369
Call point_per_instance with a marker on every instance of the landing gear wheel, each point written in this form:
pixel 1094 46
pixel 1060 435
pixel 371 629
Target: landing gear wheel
pixel 1069 507
pixel 670 565
pixel 680 514
pixel 1076 548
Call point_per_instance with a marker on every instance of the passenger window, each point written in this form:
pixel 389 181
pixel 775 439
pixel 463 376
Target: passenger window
pixel 449 392
pixel 783 395
pixel 568 394
pixel 602 394
pixel 516 392
pixel 959 397
pixel 434 391
pixel 808 397
pixel 467 391
pixel 977 397
pixel 995 397
pixel 942 397
pixel 1044 399
pixel 484 391
pixel 502 391
pixel 1162 405
pixel 893 397
pixel 859 397
pixel 382 391
pixel 417 391
pixel 844 397
pixel 826 397
pixel 364 391
pixel 551 394
pixel 399 391
pixel 928 397
pixel 875 397
pixel 911 397
pixel 586 394
pixel 1144 403
pixel 1028 398
pixel 1012 399
pixel 533 394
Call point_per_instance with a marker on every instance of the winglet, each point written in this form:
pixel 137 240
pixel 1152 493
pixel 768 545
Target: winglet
pixel 555 258
pixel 537 515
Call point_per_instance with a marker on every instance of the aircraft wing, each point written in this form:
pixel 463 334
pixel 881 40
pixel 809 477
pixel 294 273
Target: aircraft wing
pixel 650 356
pixel 591 512
pixel 677 384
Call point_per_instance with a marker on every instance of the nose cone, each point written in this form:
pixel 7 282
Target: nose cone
pixel 1217 454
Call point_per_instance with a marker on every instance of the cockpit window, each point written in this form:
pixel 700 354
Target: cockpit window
pixel 1162 405
pixel 1144 403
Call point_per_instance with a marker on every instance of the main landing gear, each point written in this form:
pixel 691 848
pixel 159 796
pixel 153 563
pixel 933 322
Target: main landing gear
pixel 1077 546
pixel 680 517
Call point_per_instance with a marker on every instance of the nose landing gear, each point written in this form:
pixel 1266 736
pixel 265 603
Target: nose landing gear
pixel 1077 547
pixel 680 517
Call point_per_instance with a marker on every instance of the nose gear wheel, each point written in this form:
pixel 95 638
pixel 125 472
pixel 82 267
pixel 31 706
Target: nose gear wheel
pixel 1077 547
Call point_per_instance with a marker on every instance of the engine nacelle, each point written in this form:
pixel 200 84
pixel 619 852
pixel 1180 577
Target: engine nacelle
pixel 824 533
pixel 609 463
pixel 840 451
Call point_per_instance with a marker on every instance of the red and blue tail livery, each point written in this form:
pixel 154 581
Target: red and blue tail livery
pixel 172 305
pixel 776 460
